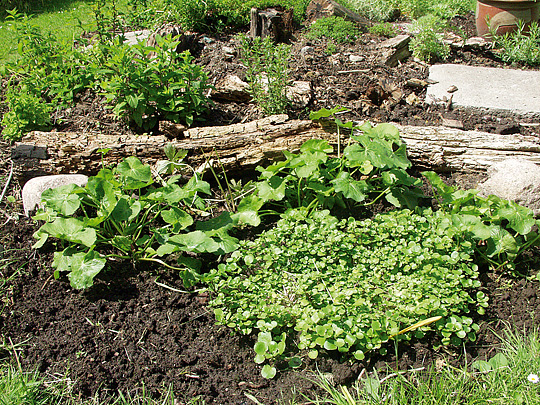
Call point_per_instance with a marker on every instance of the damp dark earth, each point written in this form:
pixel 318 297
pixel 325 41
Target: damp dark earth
pixel 138 328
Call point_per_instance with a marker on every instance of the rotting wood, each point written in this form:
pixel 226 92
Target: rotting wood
pixel 272 23
pixel 243 146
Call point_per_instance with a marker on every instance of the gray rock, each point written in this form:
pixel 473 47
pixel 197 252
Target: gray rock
pixel 231 88
pixel 32 190
pixel 514 179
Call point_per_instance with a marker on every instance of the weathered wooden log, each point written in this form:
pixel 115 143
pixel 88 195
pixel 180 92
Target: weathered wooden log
pixel 272 23
pixel 241 147
pixel 326 8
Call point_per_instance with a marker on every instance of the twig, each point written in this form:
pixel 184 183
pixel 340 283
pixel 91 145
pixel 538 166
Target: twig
pixel 46 281
pixel 343 72
pixel 177 290
pixel 15 354
pixel 7 182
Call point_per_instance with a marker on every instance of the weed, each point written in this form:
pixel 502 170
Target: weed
pixel 427 44
pixel 267 72
pixel 26 113
pixel 145 88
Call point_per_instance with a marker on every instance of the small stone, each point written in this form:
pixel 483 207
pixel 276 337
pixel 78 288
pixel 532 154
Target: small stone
pixel 416 83
pixel 413 99
pixel 231 88
pixel 307 50
pixel 355 58
pixel 32 190
pixel 300 93
pixel 451 123
pixel 229 51
pixel 451 89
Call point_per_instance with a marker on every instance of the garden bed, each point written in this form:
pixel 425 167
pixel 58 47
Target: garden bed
pixel 136 327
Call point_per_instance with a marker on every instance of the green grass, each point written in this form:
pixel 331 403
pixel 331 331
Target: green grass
pixel 64 20
pixel 506 384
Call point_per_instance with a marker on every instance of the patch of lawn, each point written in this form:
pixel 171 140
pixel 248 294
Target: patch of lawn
pixel 66 19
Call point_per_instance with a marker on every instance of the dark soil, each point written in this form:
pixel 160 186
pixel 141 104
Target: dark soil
pixel 128 332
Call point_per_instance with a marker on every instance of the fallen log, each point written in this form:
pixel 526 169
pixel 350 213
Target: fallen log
pixel 241 147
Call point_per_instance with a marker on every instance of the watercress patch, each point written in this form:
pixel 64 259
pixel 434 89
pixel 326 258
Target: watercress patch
pixel 313 283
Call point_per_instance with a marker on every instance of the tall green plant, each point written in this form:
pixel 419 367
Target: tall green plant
pixel 145 87
pixel 267 72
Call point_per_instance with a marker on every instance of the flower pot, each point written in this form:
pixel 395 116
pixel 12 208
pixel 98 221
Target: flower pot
pixel 502 16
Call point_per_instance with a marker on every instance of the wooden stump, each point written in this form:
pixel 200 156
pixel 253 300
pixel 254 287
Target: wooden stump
pixel 272 23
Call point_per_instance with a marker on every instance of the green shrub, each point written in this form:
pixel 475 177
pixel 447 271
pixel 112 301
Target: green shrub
pixel 26 112
pixel 267 72
pixel 334 28
pixel 372 166
pixel 145 87
pixel 427 44
pixel 318 284
pixel 383 30
pixel 376 10
pixel 519 46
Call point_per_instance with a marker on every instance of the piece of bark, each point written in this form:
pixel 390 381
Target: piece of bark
pixel 243 146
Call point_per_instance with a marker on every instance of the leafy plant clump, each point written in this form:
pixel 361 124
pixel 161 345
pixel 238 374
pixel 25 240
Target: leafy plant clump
pixel 371 167
pixel 315 284
pixel 122 214
pixel 383 30
pixel 428 44
pixel 520 46
pixel 26 113
pixel 267 72
pixel 333 28
pixel 147 83
pixel 500 230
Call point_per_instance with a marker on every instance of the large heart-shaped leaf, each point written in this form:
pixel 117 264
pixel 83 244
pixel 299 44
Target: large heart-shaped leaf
pixel 354 189
pixel 69 229
pixel 134 174
pixel 84 267
pixel 63 199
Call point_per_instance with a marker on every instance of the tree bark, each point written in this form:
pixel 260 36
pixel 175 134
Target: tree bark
pixel 242 147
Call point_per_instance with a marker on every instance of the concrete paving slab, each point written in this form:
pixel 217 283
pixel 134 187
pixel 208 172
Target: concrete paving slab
pixel 513 90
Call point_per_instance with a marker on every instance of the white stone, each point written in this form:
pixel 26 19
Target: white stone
pixel 355 58
pixel 514 179
pixel 300 93
pixel 134 37
pixel 32 190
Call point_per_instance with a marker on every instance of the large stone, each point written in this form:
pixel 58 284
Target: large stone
pixel 231 88
pixel 32 190
pixel 326 8
pixel 514 179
